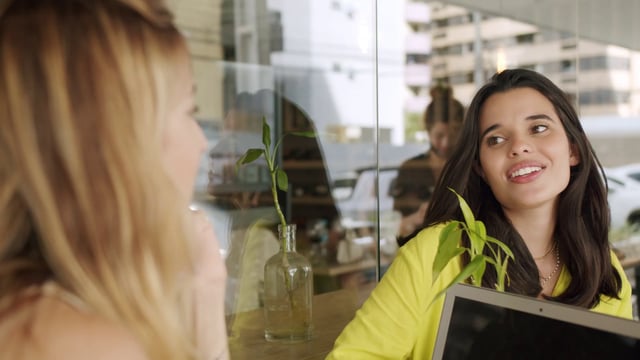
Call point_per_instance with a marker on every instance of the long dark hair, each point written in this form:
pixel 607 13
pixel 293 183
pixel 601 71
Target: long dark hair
pixel 582 215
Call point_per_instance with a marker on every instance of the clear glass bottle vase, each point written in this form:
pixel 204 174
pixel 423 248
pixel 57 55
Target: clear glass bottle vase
pixel 288 292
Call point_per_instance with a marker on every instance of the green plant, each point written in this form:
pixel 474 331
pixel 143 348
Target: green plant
pixel 295 321
pixel 279 179
pixel 449 247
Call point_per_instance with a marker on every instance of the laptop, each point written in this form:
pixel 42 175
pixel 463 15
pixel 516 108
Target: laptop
pixel 480 323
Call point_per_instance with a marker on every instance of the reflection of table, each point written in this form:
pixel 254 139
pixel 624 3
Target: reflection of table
pixel 340 269
pixel 331 312
pixel 331 277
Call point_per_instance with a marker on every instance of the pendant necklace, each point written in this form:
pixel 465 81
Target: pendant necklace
pixel 544 280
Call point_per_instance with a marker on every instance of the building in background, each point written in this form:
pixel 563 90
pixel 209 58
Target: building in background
pixel 363 73
pixel 418 77
pixel 327 58
pixel 469 46
pixel 600 74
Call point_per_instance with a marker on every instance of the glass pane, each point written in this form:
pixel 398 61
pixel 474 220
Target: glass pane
pixel 300 66
pixel 360 75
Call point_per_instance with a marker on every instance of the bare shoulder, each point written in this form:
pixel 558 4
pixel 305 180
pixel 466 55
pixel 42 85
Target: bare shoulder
pixel 48 328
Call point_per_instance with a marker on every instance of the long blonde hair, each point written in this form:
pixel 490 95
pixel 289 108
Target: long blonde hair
pixel 84 198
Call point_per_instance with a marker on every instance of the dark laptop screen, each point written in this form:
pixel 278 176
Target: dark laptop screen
pixel 482 331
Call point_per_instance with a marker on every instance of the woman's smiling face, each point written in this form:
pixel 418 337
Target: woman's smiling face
pixel 525 155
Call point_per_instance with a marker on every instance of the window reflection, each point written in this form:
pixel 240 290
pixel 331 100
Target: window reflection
pixel 363 83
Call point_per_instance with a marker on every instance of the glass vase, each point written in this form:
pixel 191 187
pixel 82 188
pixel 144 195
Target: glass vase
pixel 288 292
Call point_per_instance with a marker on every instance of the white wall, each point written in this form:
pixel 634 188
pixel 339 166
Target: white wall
pixel 329 60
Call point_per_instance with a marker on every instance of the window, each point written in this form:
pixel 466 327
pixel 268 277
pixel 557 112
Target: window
pixel 525 38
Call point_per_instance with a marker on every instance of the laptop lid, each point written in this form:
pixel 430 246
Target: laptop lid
pixel 480 323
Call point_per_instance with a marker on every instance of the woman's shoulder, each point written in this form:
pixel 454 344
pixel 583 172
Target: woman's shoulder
pixel 427 239
pixel 419 161
pixel 47 327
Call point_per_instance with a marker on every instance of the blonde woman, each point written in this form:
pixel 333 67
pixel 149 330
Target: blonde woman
pixel 100 257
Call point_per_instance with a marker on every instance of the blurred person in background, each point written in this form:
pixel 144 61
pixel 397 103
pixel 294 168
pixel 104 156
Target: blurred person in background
pixel 417 177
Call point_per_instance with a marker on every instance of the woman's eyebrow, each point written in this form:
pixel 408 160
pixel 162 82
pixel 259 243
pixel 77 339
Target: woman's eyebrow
pixel 489 129
pixel 538 117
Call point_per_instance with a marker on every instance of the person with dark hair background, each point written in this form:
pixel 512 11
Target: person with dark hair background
pixel 417 177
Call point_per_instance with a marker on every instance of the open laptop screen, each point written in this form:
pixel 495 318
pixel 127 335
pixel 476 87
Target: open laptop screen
pixel 484 324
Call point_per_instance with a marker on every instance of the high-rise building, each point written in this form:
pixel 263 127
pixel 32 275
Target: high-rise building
pixel 469 46
pixel 418 53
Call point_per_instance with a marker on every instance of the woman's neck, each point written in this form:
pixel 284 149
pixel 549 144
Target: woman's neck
pixel 536 227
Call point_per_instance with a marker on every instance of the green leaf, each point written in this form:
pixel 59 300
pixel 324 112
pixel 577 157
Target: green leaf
pixel 502 274
pixel 249 156
pixel 266 133
pixel 466 210
pixel 453 226
pixel 477 242
pixel 468 270
pixel 492 261
pixel 445 260
pixel 282 180
pixel 479 271
pixel 447 248
pixel 504 247
pixel 480 229
pixel 308 134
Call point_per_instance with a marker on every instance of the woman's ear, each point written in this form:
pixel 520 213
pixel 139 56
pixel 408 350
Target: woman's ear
pixel 574 155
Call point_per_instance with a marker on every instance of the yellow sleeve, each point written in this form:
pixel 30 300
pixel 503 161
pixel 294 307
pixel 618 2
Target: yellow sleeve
pixel 393 321
pixel 625 309
pixel 617 307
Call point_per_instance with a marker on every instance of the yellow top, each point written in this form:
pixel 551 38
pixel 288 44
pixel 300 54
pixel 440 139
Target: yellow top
pixel 396 321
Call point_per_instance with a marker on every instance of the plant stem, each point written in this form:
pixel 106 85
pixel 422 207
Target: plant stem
pixel 283 224
pixel 274 194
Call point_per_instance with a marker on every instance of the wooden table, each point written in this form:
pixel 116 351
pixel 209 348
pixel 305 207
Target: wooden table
pixel 331 312
pixel 359 274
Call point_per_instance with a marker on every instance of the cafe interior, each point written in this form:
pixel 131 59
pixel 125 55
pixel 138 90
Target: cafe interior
pixel 348 82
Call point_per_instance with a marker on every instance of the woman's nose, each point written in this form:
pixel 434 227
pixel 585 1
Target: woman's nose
pixel 519 146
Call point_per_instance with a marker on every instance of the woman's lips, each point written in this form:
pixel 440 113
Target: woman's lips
pixel 523 171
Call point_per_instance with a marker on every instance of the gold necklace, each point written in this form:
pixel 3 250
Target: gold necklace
pixel 544 280
pixel 547 253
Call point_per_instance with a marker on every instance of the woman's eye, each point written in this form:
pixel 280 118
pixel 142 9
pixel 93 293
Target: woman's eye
pixel 494 140
pixel 539 128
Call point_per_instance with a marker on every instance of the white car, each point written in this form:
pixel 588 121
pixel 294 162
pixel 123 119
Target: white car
pixel 627 172
pixel 363 202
